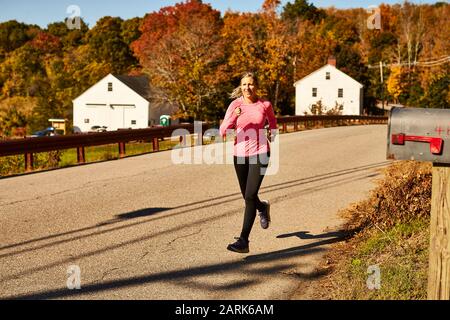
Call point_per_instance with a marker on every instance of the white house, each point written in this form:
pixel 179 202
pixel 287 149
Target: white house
pixel 117 102
pixel 329 85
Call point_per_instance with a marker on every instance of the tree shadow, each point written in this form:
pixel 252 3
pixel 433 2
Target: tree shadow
pixel 340 234
pixel 217 201
pixel 141 213
pixel 331 237
pixel 146 216
pixel 186 277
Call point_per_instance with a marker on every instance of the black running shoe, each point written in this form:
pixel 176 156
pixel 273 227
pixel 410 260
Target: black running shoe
pixel 264 215
pixel 241 246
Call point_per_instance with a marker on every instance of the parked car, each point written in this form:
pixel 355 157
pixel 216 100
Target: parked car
pixel 50 131
pixel 98 129
pixel 211 134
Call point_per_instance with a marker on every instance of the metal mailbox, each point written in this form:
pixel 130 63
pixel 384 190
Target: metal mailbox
pixel 419 134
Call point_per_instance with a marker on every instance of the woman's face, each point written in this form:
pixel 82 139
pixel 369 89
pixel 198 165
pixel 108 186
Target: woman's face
pixel 248 88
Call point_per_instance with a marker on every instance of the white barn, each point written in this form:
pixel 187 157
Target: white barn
pixel 329 85
pixel 117 102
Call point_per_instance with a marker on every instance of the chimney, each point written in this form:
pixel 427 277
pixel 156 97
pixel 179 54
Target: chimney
pixel 332 61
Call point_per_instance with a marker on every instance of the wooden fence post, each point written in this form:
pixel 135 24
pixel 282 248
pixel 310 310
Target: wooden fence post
pixel 122 151
pixel 439 261
pixel 155 144
pixel 29 159
pixel 81 157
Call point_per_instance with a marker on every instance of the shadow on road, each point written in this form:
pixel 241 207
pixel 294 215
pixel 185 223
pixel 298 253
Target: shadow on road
pixel 252 274
pixel 141 213
pixel 332 237
pixel 150 215
pixel 341 234
pixel 234 196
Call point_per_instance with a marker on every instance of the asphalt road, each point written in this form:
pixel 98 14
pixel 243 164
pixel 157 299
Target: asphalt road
pixel 145 228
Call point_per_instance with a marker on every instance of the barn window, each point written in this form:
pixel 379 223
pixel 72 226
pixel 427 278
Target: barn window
pixel 109 86
pixel 314 92
pixel 340 93
pixel 327 76
pixel 86 120
pixel 133 121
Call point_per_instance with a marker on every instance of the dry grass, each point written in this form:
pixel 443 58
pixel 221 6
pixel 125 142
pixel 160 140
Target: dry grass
pixel 402 196
pixel 391 231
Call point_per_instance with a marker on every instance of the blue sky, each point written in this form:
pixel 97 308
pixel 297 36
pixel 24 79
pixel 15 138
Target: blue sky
pixel 43 12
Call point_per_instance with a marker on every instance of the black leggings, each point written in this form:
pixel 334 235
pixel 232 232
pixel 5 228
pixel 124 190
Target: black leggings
pixel 250 172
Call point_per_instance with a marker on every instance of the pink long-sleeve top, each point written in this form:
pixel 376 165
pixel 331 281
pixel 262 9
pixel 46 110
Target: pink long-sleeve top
pixel 249 125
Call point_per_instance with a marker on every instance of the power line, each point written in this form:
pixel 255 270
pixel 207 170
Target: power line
pixel 432 63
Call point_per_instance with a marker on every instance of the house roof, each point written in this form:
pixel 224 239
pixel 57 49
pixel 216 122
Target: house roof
pixel 139 84
pixel 320 69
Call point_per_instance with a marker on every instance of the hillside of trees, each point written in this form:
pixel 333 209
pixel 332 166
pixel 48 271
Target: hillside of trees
pixel 193 56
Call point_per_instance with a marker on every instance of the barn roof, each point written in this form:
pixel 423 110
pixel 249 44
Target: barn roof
pixel 139 84
pixel 327 66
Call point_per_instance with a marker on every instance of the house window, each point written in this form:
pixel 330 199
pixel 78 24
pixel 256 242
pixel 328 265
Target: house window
pixel 327 76
pixel 340 93
pixel 86 120
pixel 109 86
pixel 133 121
pixel 314 92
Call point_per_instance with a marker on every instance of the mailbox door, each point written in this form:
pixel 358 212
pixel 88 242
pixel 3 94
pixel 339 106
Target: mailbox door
pixel 419 134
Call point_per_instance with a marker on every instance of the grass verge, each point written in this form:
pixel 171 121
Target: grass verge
pixel 387 256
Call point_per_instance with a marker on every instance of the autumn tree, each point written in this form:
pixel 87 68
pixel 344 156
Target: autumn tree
pixel 435 47
pixel 11 118
pixel 195 58
pixel 21 72
pixel 46 43
pixel 13 35
pixel 15 112
pixel 276 67
pixel 182 52
pixel 396 84
pixel 244 34
pixel 262 42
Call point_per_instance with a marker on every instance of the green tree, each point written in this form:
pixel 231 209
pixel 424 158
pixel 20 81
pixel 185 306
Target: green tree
pixel 107 45
pixel 301 9
pixel 131 30
pixel 438 95
pixel 69 37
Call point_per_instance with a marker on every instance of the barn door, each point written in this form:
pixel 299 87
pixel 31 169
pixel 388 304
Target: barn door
pixel 120 116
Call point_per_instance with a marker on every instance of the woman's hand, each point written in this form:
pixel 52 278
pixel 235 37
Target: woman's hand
pixel 237 111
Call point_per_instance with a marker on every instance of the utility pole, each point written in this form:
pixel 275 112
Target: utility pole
pixel 382 84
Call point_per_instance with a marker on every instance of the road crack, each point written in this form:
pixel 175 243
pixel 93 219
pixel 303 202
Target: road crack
pixel 185 236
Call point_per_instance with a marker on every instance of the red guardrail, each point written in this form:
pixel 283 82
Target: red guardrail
pixel 28 146
pixel 325 120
